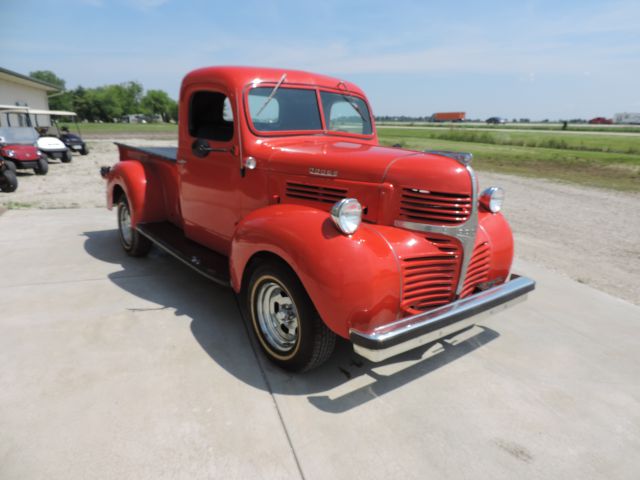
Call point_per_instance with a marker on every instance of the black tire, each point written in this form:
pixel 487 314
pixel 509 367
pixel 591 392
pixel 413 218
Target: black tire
pixel 43 166
pixel 8 181
pixel 66 156
pixel 85 150
pixel 132 241
pixel 11 165
pixel 304 342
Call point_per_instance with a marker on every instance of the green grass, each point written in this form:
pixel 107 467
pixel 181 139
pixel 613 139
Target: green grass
pixel 552 127
pixel 583 141
pixel 89 129
pixel 607 161
pixel 11 205
pixel 620 171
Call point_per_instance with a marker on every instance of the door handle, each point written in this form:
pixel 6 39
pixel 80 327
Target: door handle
pixel 180 161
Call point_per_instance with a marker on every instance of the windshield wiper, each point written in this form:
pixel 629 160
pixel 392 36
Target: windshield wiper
pixel 272 94
pixel 355 106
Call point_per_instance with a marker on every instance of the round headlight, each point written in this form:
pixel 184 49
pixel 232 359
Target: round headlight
pixel 492 199
pixel 347 215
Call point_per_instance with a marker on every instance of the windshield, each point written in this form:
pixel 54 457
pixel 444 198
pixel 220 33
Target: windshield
pixel 296 109
pixel 19 135
pixel 346 113
pixel 288 109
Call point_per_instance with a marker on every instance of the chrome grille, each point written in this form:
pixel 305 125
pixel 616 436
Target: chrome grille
pixel 440 208
pixel 315 193
pixel 478 270
pixel 428 281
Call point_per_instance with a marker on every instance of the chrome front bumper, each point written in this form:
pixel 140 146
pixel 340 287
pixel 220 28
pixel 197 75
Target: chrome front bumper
pixel 411 332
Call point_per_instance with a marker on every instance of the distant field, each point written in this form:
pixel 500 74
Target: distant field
pixel 606 161
pixel 571 127
pixel 127 128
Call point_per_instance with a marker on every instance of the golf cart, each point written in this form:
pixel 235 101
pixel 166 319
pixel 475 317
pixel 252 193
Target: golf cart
pixel 50 146
pixel 8 179
pixel 73 141
pixel 18 150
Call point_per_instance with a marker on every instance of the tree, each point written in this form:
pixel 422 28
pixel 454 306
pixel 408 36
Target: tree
pixel 49 77
pixel 58 101
pixel 157 102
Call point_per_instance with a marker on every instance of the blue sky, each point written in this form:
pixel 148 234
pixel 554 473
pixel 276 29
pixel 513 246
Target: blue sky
pixel 536 59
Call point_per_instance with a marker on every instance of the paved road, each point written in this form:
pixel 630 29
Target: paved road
pixel 115 367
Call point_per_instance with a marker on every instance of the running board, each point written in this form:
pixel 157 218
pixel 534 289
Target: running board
pixel 171 239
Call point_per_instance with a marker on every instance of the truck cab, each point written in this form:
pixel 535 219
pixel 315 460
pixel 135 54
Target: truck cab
pixel 279 189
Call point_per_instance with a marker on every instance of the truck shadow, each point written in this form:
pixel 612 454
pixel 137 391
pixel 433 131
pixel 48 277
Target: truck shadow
pixel 345 382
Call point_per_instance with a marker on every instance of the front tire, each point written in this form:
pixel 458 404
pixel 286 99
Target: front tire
pixel 284 320
pixel 66 156
pixel 85 150
pixel 8 181
pixel 43 166
pixel 132 241
pixel 11 165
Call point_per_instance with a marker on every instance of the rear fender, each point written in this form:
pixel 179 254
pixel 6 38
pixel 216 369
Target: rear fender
pixel 352 280
pixel 146 204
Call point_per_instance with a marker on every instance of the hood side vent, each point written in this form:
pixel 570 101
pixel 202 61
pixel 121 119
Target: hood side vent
pixel 442 208
pixel 315 193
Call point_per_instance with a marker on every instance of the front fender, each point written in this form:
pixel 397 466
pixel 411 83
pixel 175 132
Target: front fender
pixel 353 281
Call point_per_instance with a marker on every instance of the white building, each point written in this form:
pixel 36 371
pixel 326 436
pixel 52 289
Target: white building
pixel 20 90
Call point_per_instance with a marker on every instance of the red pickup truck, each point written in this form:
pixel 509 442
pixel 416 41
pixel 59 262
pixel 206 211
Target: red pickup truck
pixel 278 188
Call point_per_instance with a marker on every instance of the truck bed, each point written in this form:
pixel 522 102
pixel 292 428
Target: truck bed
pixel 143 153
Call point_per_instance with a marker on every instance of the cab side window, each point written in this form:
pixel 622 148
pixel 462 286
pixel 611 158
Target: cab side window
pixel 210 116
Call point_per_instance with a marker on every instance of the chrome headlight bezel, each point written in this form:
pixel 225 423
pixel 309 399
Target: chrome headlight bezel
pixel 347 215
pixel 10 153
pixel 492 199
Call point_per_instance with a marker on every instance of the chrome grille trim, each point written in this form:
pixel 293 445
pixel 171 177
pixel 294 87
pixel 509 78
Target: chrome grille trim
pixel 465 232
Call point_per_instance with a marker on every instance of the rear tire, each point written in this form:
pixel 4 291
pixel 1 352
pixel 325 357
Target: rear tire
pixel 284 320
pixel 43 166
pixel 8 181
pixel 66 156
pixel 132 241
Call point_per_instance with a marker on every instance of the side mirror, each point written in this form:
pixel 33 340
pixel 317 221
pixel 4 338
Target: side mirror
pixel 200 148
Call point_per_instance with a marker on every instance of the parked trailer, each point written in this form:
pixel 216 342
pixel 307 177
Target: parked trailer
pixel 448 116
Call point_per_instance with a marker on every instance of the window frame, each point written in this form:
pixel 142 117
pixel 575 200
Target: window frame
pixel 318 89
pixel 207 89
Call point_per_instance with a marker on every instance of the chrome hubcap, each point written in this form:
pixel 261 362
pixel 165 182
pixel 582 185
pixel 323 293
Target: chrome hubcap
pixel 277 316
pixel 125 226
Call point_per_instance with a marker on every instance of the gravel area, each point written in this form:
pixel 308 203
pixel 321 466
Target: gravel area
pixel 589 234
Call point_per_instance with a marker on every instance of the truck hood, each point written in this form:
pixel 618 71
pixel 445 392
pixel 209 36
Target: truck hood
pixel 349 160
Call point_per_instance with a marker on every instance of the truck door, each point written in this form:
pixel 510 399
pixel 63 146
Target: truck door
pixel 208 165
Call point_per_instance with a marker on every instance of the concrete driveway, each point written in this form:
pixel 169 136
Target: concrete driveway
pixel 113 367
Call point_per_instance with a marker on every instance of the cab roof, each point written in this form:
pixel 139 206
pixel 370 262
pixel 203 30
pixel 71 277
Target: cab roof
pixel 238 77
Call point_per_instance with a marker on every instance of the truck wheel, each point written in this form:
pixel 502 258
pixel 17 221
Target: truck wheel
pixel 8 181
pixel 66 156
pixel 132 241
pixel 43 166
pixel 11 165
pixel 284 320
